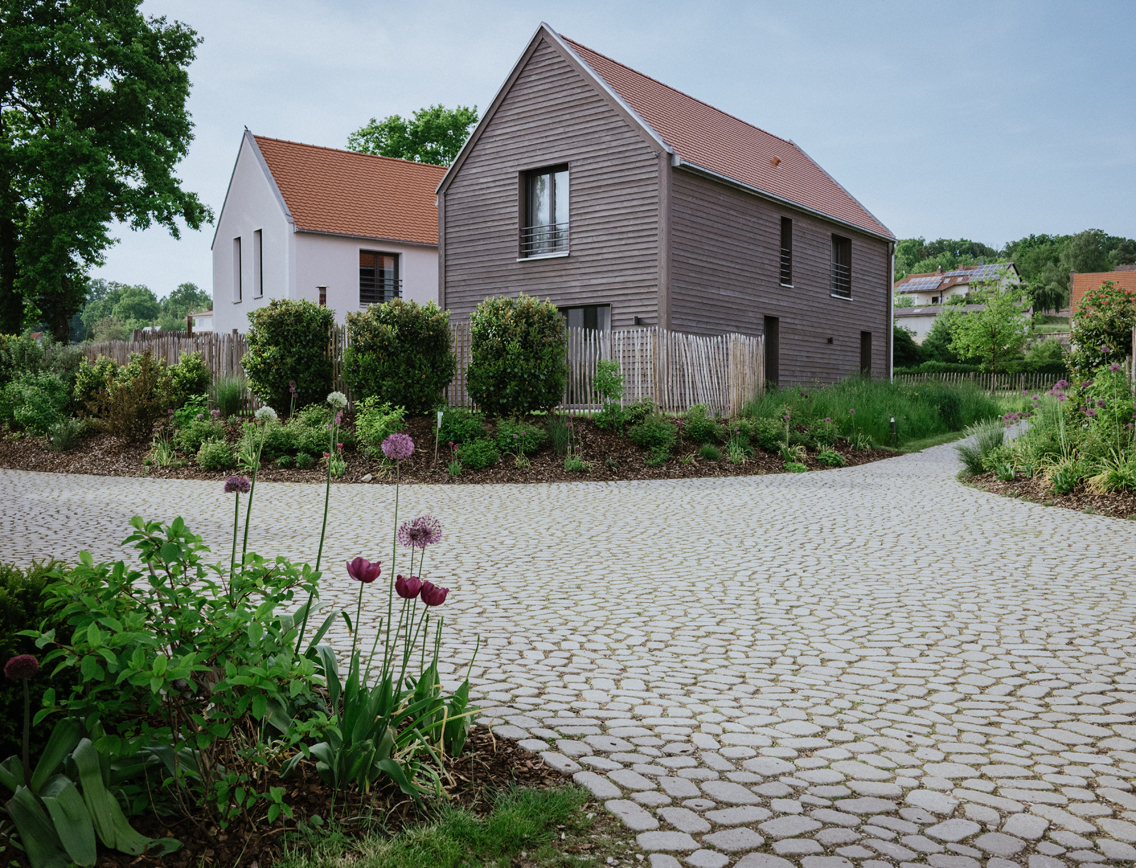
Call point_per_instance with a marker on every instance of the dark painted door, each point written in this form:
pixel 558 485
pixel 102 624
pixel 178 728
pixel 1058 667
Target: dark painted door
pixel 772 351
pixel 866 353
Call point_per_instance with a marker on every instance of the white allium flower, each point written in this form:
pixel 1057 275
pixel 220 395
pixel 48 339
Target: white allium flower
pixel 337 399
pixel 266 414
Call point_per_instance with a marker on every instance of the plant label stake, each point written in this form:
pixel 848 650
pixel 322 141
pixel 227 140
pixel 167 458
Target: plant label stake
pixel 437 434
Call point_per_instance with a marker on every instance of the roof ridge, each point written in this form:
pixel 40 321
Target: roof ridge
pixel 576 44
pixel 349 151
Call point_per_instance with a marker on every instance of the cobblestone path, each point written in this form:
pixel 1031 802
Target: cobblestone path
pixel 872 666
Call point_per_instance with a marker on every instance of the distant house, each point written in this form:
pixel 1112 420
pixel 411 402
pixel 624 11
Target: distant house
pixel 918 320
pixel 935 287
pixel 628 203
pixel 1080 284
pixel 202 322
pixel 340 228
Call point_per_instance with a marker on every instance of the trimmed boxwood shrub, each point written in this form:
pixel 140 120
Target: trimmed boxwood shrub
pixel 657 434
pixel 289 341
pixel 401 353
pixel 518 356
pixel 479 454
pixel 460 425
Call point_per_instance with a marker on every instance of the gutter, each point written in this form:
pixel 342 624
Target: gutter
pixel 696 169
pixel 891 311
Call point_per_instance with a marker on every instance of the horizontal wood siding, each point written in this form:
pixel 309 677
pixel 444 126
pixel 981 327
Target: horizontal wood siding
pixel 725 277
pixel 551 116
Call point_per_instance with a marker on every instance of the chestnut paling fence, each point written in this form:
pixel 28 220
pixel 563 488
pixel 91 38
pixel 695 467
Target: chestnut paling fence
pixel 674 369
pixel 988 381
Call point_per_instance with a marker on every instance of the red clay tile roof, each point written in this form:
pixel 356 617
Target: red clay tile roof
pixel 1085 282
pixel 348 193
pixel 714 140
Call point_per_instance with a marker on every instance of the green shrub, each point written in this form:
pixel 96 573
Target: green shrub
pixel 376 420
pixel 189 378
pixel 137 396
pixel 228 394
pixel 656 434
pixel 23 606
pixel 1105 318
pixel 709 452
pixel 769 434
pixel 608 382
pixel 289 341
pixel 460 425
pixel 610 418
pixel 304 460
pixel 65 434
pixel 24 354
pixel 981 439
pixel 559 434
pixel 831 458
pixel 215 455
pixel 279 440
pixel 823 433
pixel 520 436
pixel 454 468
pixel 34 401
pixel 699 426
pixel 285 461
pixel 518 355
pixel 795 467
pixel 189 437
pixel 400 353
pixel 92 381
pixel 479 454
pixel 636 412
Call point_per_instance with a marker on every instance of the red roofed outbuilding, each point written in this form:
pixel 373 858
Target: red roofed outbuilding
pixel 336 227
pixel 627 202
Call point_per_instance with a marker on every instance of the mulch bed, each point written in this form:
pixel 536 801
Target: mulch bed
pixel 1117 504
pixel 487 765
pixel 611 457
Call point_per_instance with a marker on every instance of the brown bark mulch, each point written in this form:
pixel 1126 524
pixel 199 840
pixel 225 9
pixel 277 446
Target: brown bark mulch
pixel 1116 504
pixel 611 457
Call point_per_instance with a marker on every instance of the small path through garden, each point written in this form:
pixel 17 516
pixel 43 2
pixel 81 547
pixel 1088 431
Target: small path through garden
pixel 869 666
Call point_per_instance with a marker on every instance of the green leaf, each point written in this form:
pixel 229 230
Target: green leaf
pixel 259 706
pixel 109 821
pixel 37 833
pixel 12 773
pixel 73 824
pixel 94 635
pixel 63 740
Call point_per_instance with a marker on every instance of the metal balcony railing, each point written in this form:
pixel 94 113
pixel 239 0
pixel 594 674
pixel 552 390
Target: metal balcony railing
pixel 378 291
pixel 786 266
pixel 841 281
pixel 545 239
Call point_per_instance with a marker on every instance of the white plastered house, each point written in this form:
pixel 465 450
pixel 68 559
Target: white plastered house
pixel 339 228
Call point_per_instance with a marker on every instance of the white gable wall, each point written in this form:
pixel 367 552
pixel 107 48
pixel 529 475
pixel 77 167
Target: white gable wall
pixel 252 203
pixel 333 261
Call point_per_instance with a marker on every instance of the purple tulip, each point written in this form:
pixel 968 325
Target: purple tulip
pixel 362 570
pixel 432 595
pixel 408 587
pixel 25 666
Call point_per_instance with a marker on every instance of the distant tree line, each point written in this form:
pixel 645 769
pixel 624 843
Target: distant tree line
pixel 1043 261
pixel 113 310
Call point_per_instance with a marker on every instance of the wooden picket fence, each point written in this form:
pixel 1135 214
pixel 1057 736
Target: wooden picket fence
pixel 675 370
pixel 988 381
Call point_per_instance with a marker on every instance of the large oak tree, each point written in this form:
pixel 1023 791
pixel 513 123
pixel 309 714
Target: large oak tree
pixel 93 121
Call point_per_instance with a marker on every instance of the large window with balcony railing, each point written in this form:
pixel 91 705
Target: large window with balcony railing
pixel 786 251
pixel 841 283
pixel 378 277
pixel 544 231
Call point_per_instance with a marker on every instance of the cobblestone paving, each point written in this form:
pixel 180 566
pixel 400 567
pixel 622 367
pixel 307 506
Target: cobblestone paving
pixel 873 666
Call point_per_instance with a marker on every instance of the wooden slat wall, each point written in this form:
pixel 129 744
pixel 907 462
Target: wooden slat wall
pixel 725 277
pixel 551 116
pixel 675 370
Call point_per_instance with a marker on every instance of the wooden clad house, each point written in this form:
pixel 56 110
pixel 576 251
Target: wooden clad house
pixel 627 203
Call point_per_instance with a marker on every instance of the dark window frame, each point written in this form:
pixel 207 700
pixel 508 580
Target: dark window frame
pixel 238 271
pixel 600 314
pixel 840 282
pixel 258 263
pixel 372 288
pixel 786 275
pixel 539 239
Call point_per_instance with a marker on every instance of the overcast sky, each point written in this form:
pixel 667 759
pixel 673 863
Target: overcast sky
pixel 985 120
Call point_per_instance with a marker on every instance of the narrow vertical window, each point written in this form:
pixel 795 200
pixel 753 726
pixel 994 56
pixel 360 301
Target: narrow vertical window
pixel 258 263
pixel 544 229
pixel 841 267
pixel 322 290
pixel 786 251
pixel 236 270
pixel 866 353
pixel 378 277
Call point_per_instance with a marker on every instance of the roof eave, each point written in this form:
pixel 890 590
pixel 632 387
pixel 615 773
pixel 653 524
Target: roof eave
pixel 378 238
pixel 780 200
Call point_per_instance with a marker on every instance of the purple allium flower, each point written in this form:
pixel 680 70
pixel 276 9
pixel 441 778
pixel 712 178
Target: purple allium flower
pixel 170 411
pixel 421 532
pixel 1061 384
pixel 827 418
pixel 238 484
pixel 432 595
pixel 1086 384
pixel 407 587
pixel 1105 350
pixel 1090 412
pixel 1114 367
pixel 200 415
pixel 851 410
pixel 213 413
pixel 398 447
pixel 25 666
pixel 1100 402
pixel 1025 392
pixel 362 570
pixel 1062 397
pixel 292 386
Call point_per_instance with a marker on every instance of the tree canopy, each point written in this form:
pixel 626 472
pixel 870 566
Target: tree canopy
pixel 995 333
pixel 92 124
pixel 434 134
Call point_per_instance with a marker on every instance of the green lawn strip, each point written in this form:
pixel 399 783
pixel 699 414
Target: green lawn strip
pixel 544 828
pixel 934 440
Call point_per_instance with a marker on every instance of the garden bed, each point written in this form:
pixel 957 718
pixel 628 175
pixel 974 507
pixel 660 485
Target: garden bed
pixel 1116 504
pixel 611 458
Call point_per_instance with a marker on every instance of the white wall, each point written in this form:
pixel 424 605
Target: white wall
pixel 250 204
pixel 333 261
pixel 919 326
